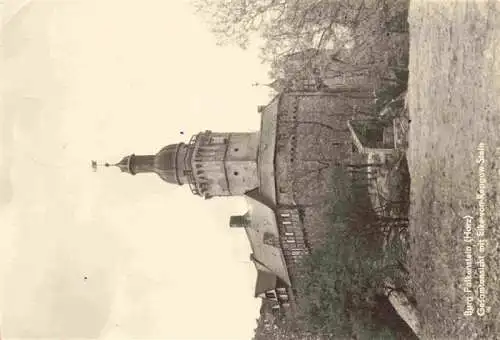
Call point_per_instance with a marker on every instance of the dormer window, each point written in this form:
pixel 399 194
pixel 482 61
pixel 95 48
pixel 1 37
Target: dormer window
pixel 271 295
pixel 270 239
pixel 281 290
pixel 218 140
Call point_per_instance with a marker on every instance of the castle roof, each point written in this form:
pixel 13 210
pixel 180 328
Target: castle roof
pixel 265 281
pixel 267 146
pixel 262 220
pixel 168 163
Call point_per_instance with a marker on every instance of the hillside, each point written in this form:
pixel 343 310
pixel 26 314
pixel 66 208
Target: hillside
pixel 453 99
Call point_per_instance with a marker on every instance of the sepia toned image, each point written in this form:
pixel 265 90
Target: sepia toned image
pixel 250 169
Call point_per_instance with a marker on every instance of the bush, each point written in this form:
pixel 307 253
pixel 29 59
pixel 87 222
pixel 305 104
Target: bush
pixel 338 292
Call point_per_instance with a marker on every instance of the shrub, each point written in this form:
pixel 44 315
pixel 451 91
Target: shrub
pixel 338 291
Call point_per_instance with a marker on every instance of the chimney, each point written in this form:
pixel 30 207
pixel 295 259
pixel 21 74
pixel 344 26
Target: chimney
pixel 240 221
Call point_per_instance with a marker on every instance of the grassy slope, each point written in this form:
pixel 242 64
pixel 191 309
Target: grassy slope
pixel 454 94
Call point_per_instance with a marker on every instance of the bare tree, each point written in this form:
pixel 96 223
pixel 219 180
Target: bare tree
pixel 286 26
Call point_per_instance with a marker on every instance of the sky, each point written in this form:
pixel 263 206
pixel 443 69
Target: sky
pixel 107 255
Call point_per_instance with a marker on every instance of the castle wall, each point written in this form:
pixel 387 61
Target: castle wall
pixel 312 139
pixel 312 142
pixel 241 162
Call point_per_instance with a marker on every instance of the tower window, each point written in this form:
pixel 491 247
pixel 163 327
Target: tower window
pixel 236 173
pixel 236 149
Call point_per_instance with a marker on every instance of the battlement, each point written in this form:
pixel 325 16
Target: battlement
pixel 223 164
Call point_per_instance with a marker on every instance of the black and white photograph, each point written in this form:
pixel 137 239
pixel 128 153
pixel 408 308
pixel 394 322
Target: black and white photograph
pixel 250 170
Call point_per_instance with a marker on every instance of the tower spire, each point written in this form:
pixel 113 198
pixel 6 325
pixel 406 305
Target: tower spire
pixel 96 165
pixel 168 163
pixel 211 163
pixel 128 164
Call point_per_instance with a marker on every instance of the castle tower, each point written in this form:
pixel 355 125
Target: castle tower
pixel 212 164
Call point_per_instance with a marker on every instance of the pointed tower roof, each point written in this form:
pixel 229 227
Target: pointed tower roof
pixel 169 163
pixel 125 164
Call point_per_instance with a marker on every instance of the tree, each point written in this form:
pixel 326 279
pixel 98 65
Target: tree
pixel 344 286
pixel 286 26
pixel 306 42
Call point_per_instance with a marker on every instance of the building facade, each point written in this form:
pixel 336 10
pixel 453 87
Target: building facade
pixel 284 171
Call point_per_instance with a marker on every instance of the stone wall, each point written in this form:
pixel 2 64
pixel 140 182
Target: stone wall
pixel 312 141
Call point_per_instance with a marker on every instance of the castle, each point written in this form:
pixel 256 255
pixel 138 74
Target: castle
pixel 284 171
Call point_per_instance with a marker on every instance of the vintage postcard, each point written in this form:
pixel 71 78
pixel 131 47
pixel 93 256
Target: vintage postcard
pixel 250 169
